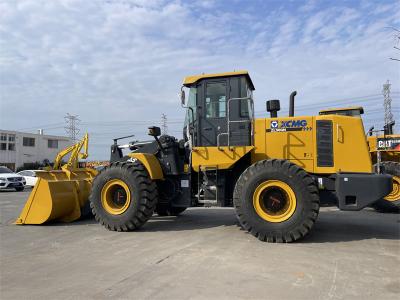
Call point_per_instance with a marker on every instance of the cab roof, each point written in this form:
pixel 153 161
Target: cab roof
pixel 189 80
pixel 330 110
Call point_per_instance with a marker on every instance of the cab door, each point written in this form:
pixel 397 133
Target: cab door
pixel 212 112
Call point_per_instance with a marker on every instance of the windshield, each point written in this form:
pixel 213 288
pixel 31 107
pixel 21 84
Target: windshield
pixel 190 117
pixel 4 170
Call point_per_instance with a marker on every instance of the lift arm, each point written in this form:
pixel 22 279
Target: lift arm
pixel 76 153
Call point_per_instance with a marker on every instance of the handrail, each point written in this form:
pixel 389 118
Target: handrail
pixel 251 117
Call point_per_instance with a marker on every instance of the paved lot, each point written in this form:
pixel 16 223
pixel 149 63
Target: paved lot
pixel 200 255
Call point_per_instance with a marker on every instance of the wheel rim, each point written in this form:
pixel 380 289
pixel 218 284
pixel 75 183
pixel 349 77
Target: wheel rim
pixel 274 201
pixel 115 197
pixel 395 193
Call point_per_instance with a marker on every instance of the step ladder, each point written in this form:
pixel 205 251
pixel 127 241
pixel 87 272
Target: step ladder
pixel 205 189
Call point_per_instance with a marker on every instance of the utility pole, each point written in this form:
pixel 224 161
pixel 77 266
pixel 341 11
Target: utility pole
pixel 164 126
pixel 71 127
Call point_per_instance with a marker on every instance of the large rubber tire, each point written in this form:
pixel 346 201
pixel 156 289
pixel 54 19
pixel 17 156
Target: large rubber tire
pixel 306 194
pixel 142 191
pixel 166 210
pixel 382 205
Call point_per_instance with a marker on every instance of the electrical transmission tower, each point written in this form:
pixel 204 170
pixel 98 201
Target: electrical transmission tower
pixel 164 126
pixel 387 103
pixel 71 127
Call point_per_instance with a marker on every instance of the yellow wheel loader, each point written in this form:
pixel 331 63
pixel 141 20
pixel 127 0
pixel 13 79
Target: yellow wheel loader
pixel 385 152
pixel 273 170
pixel 384 148
pixel 61 192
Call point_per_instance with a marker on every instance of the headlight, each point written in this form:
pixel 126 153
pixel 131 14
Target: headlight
pixel 2 179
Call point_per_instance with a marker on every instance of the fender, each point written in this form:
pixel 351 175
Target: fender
pixel 151 164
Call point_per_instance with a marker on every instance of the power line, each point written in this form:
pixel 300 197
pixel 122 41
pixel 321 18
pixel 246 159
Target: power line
pixel 71 127
pixel 46 126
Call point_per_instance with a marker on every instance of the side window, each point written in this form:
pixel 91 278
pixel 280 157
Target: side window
pixel 28 142
pixel 245 91
pixel 216 100
pixel 192 103
pixel 52 144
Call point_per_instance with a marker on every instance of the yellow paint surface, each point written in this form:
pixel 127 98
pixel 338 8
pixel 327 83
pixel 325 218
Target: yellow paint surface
pixel 222 158
pixel 151 164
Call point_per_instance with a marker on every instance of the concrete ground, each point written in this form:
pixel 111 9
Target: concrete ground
pixel 201 255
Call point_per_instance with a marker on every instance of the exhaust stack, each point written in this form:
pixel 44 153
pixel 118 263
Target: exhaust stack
pixel 291 104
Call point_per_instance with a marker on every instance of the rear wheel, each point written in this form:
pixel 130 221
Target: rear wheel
pixel 123 196
pixel 391 203
pixel 276 201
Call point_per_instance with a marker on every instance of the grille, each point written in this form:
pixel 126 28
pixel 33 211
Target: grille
pixel 324 143
pixel 14 179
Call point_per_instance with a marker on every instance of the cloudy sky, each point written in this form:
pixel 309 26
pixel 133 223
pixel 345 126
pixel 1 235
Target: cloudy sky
pixel 119 64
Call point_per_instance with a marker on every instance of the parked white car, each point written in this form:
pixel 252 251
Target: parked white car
pixel 11 180
pixel 30 177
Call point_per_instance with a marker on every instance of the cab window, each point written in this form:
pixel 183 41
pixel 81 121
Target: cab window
pixel 192 103
pixel 245 91
pixel 216 100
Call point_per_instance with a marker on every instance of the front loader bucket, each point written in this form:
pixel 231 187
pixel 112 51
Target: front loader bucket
pixel 58 195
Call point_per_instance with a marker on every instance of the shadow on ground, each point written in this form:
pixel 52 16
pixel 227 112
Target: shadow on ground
pixel 331 226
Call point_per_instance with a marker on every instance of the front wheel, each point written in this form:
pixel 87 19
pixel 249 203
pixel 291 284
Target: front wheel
pixel 276 201
pixel 123 196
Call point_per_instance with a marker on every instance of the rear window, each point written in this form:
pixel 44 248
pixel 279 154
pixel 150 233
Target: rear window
pixel 4 170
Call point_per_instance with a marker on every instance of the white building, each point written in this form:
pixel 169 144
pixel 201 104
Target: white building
pixel 19 148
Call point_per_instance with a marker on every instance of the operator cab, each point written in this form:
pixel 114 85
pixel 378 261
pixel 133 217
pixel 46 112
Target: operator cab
pixel 354 111
pixel 219 109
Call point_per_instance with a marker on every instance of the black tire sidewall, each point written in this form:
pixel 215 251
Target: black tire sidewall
pixel 307 202
pixel 136 189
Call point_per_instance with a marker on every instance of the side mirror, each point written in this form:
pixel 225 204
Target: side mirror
pixel 370 131
pixel 183 96
pixel 154 131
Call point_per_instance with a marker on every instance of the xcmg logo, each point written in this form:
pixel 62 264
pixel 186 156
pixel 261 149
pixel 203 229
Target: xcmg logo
pixel 293 123
pixel 289 125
